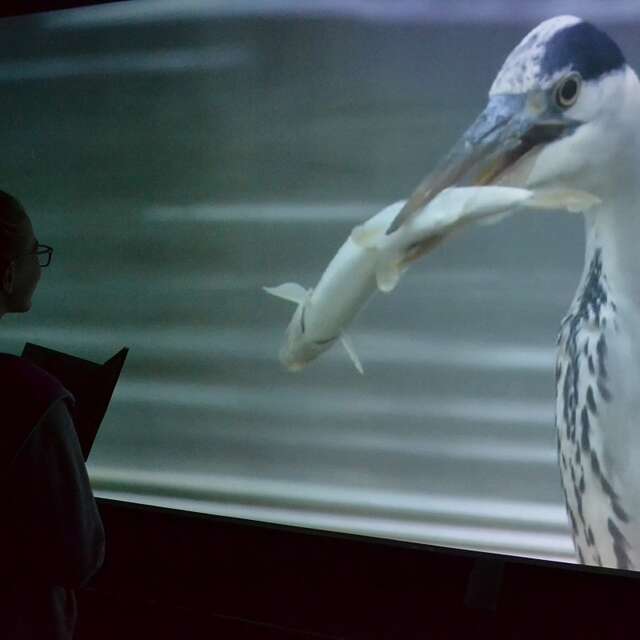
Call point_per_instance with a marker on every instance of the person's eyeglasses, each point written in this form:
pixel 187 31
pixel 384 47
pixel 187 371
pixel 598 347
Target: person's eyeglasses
pixel 44 253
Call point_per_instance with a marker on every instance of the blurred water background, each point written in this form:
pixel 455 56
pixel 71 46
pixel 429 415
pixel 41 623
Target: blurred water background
pixel 180 155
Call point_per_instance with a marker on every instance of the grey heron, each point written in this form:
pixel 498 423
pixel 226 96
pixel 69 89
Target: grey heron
pixel 564 114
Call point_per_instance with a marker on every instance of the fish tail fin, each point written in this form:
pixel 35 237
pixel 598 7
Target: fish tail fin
pixel 290 291
pixel 351 352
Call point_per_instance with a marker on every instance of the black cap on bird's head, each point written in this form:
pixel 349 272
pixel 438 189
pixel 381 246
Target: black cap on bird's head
pixel 557 46
pixel 533 103
pixel 587 49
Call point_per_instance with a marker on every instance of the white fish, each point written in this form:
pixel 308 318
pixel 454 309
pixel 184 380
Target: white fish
pixel 371 259
pixel 452 209
pixel 324 311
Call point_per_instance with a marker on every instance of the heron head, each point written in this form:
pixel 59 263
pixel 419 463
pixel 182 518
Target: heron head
pixel 553 118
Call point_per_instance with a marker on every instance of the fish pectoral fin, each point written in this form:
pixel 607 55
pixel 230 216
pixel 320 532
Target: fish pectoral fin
pixel 573 200
pixel 348 346
pixel 388 274
pixel 291 291
pixel 367 237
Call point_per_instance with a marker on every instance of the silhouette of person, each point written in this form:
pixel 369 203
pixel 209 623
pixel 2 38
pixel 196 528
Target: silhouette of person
pixel 51 537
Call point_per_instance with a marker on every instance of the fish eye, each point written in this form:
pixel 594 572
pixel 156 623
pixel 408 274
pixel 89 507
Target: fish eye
pixel 567 90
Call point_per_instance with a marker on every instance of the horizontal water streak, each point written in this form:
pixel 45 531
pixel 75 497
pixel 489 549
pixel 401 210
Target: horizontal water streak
pixel 473 448
pixel 285 402
pixel 380 347
pixel 265 213
pixel 485 448
pixel 161 61
pixel 327 495
pixel 178 280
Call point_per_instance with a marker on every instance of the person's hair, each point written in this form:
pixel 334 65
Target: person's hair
pixel 13 220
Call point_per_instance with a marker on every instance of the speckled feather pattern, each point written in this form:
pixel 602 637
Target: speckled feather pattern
pixel 597 517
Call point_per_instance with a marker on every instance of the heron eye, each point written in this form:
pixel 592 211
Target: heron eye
pixel 567 90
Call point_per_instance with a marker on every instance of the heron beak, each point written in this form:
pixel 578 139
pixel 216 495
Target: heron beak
pixel 510 128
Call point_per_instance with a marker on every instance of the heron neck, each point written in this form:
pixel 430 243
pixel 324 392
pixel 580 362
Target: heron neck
pixel 613 231
pixel 613 228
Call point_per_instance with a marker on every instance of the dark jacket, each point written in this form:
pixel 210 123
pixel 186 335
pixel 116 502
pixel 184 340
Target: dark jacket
pixel 52 535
